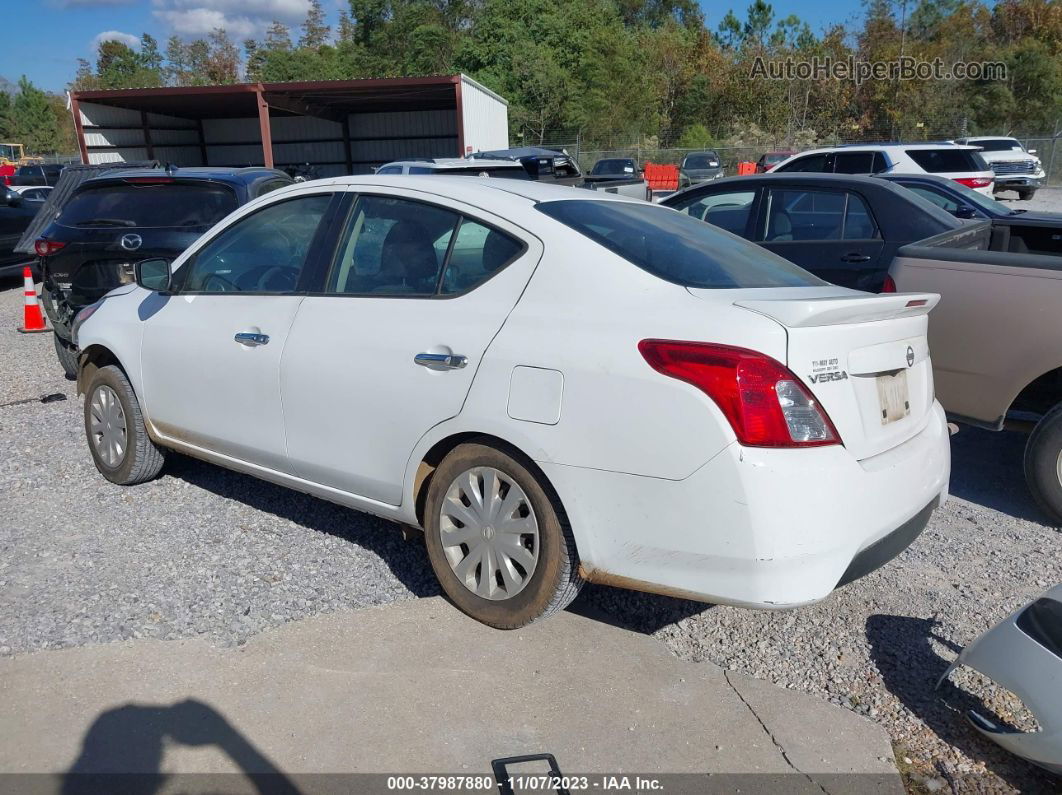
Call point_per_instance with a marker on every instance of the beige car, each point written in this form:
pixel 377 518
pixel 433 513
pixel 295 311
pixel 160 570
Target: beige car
pixel 996 335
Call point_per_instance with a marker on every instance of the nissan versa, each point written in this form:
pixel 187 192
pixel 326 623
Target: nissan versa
pixel 556 387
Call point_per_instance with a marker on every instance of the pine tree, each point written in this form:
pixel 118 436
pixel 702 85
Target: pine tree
pixel 277 37
pixel 150 57
pixel 177 61
pixel 33 121
pixel 223 62
pixel 314 30
pixel 346 27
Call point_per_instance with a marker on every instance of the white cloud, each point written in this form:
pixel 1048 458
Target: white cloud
pixel 240 18
pixel 116 35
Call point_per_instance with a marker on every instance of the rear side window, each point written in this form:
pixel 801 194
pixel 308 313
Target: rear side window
pixel 945 161
pixel 477 254
pixel 676 247
pixel 813 163
pixel 729 211
pixel 794 215
pixel 854 162
pixel 176 205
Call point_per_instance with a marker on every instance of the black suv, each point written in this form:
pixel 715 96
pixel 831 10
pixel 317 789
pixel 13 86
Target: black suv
pixel 113 221
pixel 44 174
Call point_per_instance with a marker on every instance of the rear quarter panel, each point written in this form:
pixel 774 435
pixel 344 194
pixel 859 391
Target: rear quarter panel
pixel 996 329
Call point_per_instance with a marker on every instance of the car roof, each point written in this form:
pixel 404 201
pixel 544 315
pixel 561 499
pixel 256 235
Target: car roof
pixel 457 162
pixel 243 176
pixel 475 189
pixel 876 147
pixel 990 138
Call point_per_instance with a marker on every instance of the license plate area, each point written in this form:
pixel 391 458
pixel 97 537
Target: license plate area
pixel 893 396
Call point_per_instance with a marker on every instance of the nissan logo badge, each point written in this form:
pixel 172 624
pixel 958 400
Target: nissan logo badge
pixel 910 356
pixel 131 242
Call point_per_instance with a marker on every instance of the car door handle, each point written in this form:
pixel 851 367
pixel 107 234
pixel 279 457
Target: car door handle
pixel 251 339
pixel 441 361
pixel 855 256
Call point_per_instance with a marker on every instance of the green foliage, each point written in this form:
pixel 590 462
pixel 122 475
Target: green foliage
pixel 33 121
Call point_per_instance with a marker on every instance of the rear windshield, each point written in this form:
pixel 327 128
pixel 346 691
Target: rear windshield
pixel 499 172
pixel 705 160
pixel 612 167
pixel 676 247
pixel 167 205
pixel 998 145
pixel 944 161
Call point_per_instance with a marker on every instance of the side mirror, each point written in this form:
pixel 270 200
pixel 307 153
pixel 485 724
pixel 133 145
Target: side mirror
pixel 153 274
pixel 13 198
pixel 964 211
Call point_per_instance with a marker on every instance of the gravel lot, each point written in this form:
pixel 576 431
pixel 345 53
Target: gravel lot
pixel 202 551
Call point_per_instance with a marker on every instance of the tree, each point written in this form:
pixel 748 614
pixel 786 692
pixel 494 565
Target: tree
pixel 369 16
pixel 176 70
pixel 150 57
pixel 277 37
pixel 314 30
pixel 33 120
pixel 222 62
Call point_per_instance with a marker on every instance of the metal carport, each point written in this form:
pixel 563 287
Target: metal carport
pixel 339 127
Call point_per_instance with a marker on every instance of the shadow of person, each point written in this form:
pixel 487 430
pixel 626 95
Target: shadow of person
pixel 123 749
pixel 902 650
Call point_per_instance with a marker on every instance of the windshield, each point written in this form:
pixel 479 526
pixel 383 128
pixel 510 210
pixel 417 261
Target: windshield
pixel 701 160
pixel 612 167
pixel 776 157
pixel 998 145
pixel 167 205
pixel 972 196
pixel 676 247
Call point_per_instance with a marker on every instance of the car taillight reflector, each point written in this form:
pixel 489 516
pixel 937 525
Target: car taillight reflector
pixel 46 248
pixel 974 182
pixel 764 402
pixel 889 286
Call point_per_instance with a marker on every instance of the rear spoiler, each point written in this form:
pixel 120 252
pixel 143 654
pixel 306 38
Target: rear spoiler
pixel 839 310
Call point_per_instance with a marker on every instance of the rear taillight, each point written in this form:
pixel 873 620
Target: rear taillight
pixel 889 286
pixel 974 182
pixel 45 248
pixel 764 402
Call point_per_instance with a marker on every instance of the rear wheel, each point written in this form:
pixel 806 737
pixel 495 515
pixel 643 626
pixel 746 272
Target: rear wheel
pixel 1043 463
pixel 114 425
pixel 67 354
pixel 498 538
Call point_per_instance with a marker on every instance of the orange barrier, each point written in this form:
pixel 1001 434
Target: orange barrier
pixel 746 167
pixel 32 317
pixel 662 176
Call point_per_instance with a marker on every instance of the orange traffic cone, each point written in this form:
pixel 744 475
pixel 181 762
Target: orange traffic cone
pixel 33 317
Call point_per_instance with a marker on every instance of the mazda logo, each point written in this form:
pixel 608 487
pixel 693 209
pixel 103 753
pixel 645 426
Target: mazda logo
pixel 910 356
pixel 130 242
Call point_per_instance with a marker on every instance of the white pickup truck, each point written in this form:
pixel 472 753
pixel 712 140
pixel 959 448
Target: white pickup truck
pixel 1016 169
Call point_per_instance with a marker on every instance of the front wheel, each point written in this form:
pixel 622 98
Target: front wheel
pixel 1043 463
pixel 1025 195
pixel 114 425
pixel 498 538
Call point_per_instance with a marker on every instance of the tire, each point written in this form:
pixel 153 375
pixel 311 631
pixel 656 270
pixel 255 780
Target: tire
pixel 138 459
pixel 546 585
pixel 1025 195
pixel 67 354
pixel 1043 464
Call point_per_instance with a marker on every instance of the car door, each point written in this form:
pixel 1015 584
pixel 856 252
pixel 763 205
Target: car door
pixel 211 350
pixel 830 232
pixel 415 293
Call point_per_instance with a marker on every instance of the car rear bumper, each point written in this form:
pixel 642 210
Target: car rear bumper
pixel 757 527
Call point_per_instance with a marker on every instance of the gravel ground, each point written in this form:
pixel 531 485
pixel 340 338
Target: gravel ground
pixel 203 551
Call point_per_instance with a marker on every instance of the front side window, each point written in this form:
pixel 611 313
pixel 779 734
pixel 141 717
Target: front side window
pixel 264 252
pixel 729 211
pixel 676 247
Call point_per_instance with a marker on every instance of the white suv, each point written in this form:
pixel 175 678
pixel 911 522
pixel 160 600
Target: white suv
pixel 1015 168
pixel 963 164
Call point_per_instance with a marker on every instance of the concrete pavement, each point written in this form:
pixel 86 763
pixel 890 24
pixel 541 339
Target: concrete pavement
pixel 418 687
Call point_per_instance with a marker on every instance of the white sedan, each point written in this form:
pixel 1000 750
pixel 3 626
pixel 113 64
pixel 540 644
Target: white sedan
pixel 557 385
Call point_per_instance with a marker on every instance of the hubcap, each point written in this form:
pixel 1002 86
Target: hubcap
pixel 107 426
pixel 489 533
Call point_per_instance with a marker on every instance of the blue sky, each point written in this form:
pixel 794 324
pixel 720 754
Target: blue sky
pixel 51 34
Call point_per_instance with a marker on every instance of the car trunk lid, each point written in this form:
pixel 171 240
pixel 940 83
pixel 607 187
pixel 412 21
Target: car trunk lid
pixel 864 357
